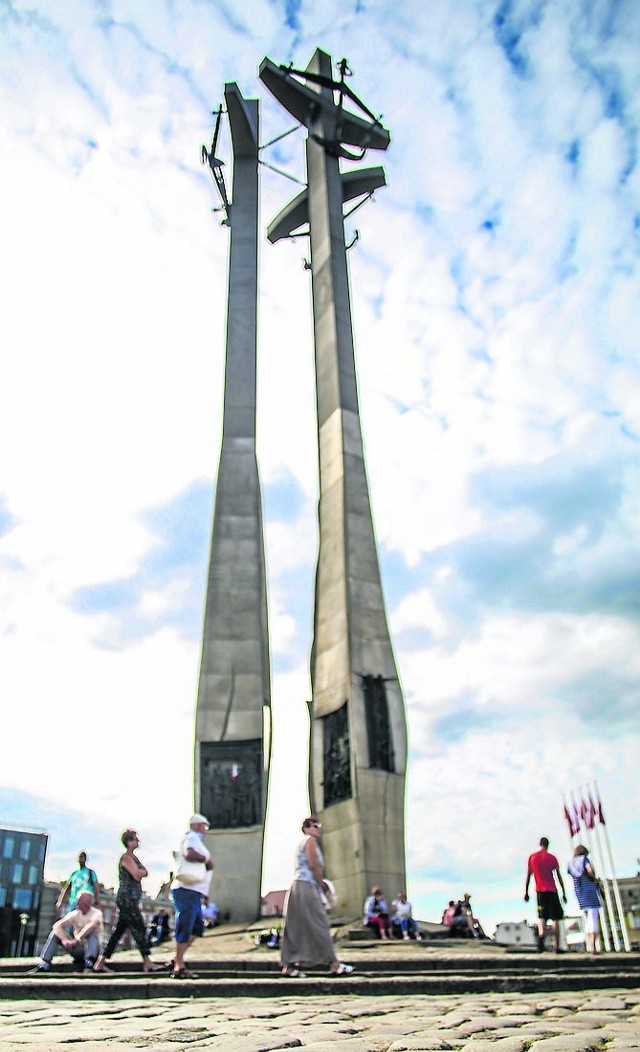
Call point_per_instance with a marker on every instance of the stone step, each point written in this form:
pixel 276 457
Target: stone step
pixel 88 988
pixel 415 963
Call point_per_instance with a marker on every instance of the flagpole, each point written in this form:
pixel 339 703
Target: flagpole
pixel 608 913
pixel 609 932
pixel 573 821
pixel 607 919
pixel 614 879
pixel 613 920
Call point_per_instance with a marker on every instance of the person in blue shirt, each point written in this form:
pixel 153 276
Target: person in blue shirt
pixel 82 879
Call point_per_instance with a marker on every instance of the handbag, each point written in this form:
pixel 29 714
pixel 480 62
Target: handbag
pixel 189 872
pixel 329 898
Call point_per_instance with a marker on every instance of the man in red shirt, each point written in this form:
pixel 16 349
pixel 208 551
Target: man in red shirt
pixel 544 868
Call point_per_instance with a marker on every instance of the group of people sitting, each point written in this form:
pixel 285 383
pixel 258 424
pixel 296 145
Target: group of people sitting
pixel 395 924
pixel 459 919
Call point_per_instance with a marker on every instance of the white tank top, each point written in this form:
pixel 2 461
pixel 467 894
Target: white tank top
pixel 303 869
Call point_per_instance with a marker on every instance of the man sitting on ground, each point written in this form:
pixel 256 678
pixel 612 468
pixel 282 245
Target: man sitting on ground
pixel 84 945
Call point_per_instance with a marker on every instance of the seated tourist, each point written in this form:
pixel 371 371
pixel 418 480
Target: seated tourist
pixel 210 913
pixel 376 913
pixel 462 923
pixel 401 915
pixel 85 923
pixel 448 914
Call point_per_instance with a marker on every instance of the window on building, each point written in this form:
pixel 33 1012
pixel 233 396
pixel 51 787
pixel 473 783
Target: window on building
pixel 25 847
pixel 9 845
pixel 33 875
pixel 16 873
pixel 3 896
pixel 21 899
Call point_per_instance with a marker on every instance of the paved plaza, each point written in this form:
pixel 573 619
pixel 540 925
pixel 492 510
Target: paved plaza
pixel 377 1009
pixel 575 1022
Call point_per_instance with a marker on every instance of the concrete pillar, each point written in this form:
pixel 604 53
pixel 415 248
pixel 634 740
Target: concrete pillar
pixel 232 744
pixel 358 725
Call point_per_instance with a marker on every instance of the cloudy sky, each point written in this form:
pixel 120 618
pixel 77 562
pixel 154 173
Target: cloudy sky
pixel 495 301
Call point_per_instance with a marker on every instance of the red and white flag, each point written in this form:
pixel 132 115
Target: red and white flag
pixel 573 828
pixel 587 812
pixel 599 811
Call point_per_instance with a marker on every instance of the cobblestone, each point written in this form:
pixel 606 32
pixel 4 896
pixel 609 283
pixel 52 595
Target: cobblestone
pixel 596 1019
pixel 456 1023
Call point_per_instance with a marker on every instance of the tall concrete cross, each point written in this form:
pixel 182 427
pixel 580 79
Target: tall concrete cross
pixel 358 747
pixel 233 716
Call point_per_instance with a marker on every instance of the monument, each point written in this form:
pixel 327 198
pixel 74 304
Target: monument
pixel 358 738
pixel 233 715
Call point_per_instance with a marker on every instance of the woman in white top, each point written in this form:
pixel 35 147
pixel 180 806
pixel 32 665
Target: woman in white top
pixel 306 938
pixel 401 914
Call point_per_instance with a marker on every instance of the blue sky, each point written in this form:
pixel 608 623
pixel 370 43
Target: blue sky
pixel 495 304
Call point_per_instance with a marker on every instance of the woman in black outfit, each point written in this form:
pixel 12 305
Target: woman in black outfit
pixel 131 872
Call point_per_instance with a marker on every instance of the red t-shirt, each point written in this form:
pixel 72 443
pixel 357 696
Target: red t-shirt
pixel 542 865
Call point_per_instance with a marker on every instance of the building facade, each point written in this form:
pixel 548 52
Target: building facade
pixel 630 898
pixel 22 858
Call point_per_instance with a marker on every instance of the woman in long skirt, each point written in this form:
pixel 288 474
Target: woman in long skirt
pixel 306 938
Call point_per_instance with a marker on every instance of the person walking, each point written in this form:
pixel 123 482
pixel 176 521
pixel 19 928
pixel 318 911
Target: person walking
pixel 545 869
pixel 306 938
pixel 187 897
pixel 587 893
pixel 131 873
pixel 82 879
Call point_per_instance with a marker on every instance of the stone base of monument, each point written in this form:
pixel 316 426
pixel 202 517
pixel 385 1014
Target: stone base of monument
pixel 229 964
pixel 428 930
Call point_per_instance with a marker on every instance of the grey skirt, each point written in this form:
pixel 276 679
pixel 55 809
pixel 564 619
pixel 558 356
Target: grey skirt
pixel 307 935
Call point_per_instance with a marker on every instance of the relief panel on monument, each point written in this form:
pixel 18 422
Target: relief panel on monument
pixel 380 741
pixel 337 756
pixel 231 783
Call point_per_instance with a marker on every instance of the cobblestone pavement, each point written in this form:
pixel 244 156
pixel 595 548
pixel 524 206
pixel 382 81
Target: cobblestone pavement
pixel 557 1022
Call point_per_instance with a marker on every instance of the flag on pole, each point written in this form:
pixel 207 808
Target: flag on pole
pixel 573 828
pixel 575 815
pixel 588 812
pixel 600 812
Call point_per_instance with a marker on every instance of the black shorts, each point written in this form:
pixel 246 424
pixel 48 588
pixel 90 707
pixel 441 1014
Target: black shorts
pixel 549 907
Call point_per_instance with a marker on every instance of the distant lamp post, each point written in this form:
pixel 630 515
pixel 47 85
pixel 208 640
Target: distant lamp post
pixel 24 918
